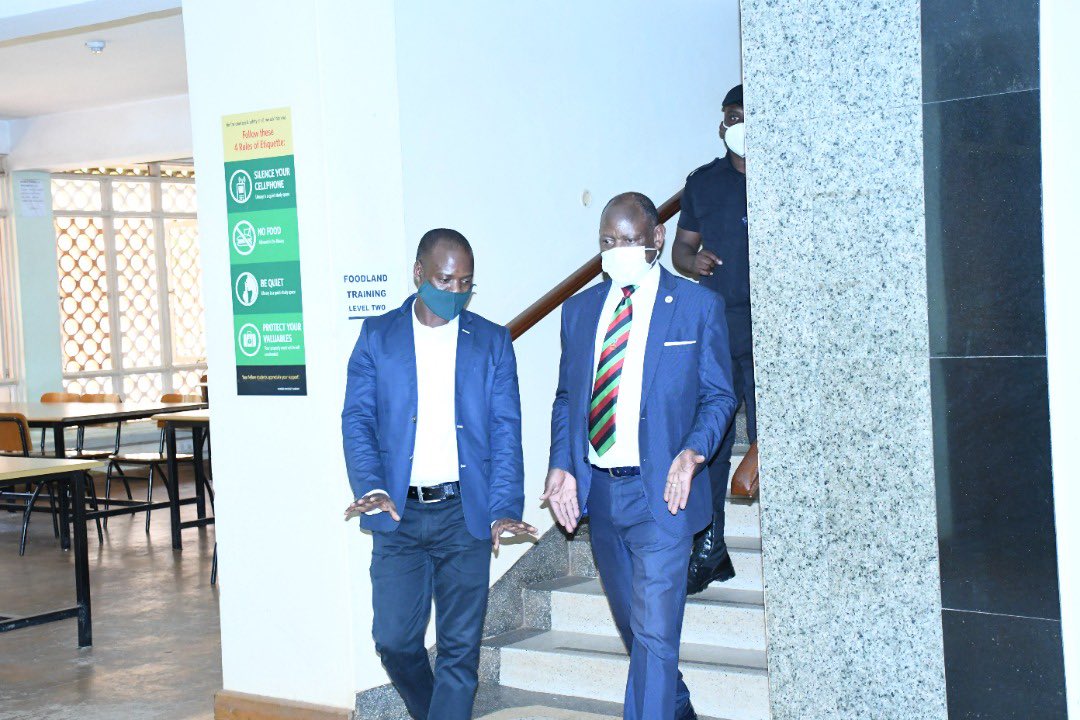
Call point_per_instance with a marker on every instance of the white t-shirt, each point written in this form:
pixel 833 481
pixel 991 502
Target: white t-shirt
pixel 435 456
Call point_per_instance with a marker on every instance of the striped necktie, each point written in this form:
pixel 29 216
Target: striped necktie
pixel 605 392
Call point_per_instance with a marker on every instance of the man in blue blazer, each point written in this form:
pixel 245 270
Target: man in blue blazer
pixel 432 435
pixel 643 400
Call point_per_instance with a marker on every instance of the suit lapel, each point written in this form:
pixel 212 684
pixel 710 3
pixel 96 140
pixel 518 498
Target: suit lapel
pixel 662 313
pixel 588 330
pixel 400 347
pixel 464 358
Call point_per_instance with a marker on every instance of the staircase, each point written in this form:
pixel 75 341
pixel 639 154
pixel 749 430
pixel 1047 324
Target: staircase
pixel 569 645
pixel 550 640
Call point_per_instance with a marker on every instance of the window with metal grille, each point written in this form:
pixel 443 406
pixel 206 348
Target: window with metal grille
pixel 9 361
pixel 131 313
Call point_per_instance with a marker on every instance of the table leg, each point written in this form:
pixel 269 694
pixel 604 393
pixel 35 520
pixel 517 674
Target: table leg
pixel 58 440
pixel 174 484
pixel 200 475
pixel 82 561
pixel 63 498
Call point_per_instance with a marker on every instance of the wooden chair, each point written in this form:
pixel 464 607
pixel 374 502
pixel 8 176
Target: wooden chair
pixel 154 462
pixel 100 398
pixel 15 439
pixel 56 397
pixel 179 398
pixel 82 454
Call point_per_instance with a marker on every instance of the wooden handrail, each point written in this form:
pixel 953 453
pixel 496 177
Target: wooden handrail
pixel 575 281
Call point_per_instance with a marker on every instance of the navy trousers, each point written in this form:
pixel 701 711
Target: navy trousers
pixel 742 376
pixel 430 555
pixel 643 570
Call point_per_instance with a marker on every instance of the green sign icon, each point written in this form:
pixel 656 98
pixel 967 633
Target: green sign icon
pixel 240 186
pixel 247 289
pixel 243 237
pixel 249 340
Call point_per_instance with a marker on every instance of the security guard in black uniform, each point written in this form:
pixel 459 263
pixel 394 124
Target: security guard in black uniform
pixel 712 245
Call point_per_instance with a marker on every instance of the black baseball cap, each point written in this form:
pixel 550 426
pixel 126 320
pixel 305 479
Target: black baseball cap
pixel 734 96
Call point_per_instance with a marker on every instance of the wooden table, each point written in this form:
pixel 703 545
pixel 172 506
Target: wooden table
pixel 198 421
pixel 59 416
pixel 16 471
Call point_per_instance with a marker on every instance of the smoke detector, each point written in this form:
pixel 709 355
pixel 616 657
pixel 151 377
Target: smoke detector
pixel 96 47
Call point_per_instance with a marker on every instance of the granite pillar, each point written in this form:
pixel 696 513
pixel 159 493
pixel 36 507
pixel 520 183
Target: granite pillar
pixel 838 271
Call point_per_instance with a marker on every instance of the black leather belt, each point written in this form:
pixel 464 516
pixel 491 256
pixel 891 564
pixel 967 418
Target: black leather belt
pixel 435 493
pixel 628 471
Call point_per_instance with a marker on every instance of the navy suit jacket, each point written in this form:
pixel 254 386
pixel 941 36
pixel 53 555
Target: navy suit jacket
pixel 686 397
pixel 378 424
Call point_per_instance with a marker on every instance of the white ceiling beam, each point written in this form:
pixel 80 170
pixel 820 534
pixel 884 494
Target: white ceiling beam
pixel 30 19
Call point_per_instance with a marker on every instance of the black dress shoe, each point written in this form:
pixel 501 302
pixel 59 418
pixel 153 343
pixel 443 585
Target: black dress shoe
pixel 709 561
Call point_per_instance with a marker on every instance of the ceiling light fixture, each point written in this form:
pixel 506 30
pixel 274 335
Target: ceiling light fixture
pixel 96 46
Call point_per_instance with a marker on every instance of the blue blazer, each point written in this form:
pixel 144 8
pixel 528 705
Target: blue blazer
pixel 378 424
pixel 686 397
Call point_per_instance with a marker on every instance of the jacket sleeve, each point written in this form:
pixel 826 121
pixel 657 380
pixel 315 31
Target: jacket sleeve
pixel 716 398
pixel 359 421
pixel 507 466
pixel 560 412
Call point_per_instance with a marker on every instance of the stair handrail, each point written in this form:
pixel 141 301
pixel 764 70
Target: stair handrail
pixel 578 279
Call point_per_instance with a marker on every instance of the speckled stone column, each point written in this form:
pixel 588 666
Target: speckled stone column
pixel 838 269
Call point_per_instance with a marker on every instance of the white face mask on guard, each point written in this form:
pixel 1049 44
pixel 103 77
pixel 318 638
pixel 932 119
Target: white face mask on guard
pixel 627 265
pixel 735 139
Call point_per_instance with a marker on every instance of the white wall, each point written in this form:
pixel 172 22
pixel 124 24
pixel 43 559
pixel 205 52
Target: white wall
pixel 509 111
pixel 157 129
pixel 295 601
pixel 5 137
pixel 35 241
pixel 506 116
pixel 1059 58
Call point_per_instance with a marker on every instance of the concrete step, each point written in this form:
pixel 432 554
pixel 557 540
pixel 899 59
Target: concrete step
pixel 724 682
pixel 719 616
pixel 747 564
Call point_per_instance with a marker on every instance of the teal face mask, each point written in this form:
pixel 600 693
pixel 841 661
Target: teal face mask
pixel 447 305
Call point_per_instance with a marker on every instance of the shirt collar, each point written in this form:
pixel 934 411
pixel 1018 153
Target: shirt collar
pixel 647 285
pixel 448 328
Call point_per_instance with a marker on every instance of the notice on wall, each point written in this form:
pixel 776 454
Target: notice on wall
pixel 264 253
pixel 366 294
pixel 31 195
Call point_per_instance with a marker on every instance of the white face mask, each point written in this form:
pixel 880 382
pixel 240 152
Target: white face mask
pixel 735 139
pixel 626 265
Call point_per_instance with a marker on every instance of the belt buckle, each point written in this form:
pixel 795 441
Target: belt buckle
pixel 424 500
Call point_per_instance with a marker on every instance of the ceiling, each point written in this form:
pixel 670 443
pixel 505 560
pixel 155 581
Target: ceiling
pixel 55 72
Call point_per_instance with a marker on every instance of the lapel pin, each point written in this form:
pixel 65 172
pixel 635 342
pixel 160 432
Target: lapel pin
pixel 668 299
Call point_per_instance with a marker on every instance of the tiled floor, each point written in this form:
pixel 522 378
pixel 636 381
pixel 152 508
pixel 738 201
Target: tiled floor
pixel 156 652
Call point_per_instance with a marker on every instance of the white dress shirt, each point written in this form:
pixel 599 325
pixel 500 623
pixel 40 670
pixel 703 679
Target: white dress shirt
pixel 435 455
pixel 626 451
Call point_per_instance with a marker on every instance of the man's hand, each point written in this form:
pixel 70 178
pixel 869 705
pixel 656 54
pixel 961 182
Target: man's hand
pixel 705 261
pixel 509 525
pixel 560 492
pixel 679 478
pixel 375 501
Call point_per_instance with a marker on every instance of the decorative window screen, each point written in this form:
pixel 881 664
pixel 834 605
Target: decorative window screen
pixel 9 377
pixel 127 249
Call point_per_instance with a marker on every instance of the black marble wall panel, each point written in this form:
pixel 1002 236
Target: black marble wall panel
pixel 995 500
pixel 984 226
pixel 1003 667
pixel 982 163
pixel 979 47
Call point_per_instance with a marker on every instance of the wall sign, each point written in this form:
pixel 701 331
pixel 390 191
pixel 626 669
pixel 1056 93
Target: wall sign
pixel 264 254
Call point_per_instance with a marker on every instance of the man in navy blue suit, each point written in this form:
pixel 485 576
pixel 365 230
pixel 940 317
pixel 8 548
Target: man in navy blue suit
pixel 432 435
pixel 644 397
